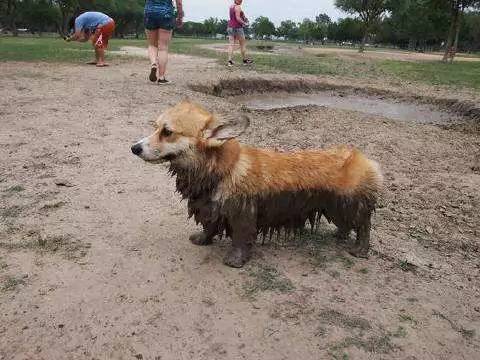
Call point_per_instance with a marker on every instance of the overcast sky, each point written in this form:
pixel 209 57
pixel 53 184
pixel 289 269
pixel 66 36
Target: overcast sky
pixel 275 10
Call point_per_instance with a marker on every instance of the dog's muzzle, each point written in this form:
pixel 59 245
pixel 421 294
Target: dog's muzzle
pixel 137 149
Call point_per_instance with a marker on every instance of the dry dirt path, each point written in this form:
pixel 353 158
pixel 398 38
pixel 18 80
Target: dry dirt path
pixel 95 261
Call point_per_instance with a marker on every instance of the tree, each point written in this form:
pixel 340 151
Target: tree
pixel 323 19
pixel 369 11
pixel 8 15
pixel 128 15
pixel 211 25
pixel 191 28
pixel 288 29
pixel 347 29
pixel 67 8
pixel 37 15
pixel 413 22
pixel 471 31
pixel 222 26
pixel 457 7
pixel 306 29
pixel 262 26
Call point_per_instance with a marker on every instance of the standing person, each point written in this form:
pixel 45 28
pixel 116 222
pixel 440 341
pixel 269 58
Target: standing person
pixel 95 26
pixel 235 32
pixel 160 19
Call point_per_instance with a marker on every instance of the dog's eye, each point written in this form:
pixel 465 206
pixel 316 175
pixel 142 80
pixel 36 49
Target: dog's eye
pixel 166 132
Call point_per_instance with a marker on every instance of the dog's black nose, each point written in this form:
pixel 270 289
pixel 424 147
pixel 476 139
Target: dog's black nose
pixel 137 149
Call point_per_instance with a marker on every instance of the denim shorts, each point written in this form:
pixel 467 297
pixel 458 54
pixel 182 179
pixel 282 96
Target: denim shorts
pixel 237 32
pixel 154 22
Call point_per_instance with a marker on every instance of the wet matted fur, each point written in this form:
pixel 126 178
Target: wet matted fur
pixel 243 191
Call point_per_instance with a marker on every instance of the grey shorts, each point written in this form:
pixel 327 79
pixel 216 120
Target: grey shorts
pixel 237 32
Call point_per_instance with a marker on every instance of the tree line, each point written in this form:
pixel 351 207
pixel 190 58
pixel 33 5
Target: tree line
pixel 56 15
pixel 412 24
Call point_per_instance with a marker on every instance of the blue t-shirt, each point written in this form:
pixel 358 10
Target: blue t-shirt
pixel 161 8
pixel 90 20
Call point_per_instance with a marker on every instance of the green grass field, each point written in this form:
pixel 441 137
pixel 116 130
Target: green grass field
pixel 459 74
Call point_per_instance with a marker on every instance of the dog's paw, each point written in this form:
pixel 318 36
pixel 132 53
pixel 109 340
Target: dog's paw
pixel 236 258
pixel 200 238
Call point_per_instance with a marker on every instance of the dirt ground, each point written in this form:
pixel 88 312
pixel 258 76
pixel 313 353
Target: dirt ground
pixel 95 261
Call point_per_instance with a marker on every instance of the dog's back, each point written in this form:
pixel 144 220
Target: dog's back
pixel 289 189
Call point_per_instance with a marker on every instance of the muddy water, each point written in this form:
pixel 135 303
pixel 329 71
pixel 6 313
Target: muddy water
pixel 388 108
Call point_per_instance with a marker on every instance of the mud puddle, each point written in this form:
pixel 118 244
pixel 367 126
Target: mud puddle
pixel 389 108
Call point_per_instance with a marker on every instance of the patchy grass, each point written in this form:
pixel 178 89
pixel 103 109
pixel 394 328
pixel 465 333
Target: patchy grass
pixel 11 211
pixel 373 344
pixel 15 189
pixel 363 270
pixel 265 278
pixel 401 332
pixel 343 356
pixel 3 264
pixel 406 266
pixel 53 206
pixel 61 244
pixel 57 50
pixel 407 318
pixel 43 49
pixel 459 74
pixel 347 262
pixel 11 282
pixel 333 317
pixel 466 333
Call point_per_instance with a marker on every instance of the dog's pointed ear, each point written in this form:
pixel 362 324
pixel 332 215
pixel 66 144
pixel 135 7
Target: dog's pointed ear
pixel 227 130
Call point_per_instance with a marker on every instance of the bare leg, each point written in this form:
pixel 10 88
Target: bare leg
pixel 164 37
pixel 243 47
pixel 100 56
pixel 152 36
pixel 231 47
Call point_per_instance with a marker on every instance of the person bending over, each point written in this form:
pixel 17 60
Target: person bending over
pixel 98 27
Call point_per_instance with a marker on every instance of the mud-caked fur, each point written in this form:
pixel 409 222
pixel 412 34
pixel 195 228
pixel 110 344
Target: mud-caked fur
pixel 242 191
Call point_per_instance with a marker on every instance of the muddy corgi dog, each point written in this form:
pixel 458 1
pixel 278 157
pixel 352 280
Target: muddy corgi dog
pixel 245 191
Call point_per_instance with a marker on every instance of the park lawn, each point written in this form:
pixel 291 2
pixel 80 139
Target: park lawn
pixel 459 74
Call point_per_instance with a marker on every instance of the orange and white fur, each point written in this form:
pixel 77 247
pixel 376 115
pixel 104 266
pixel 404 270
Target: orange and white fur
pixel 244 191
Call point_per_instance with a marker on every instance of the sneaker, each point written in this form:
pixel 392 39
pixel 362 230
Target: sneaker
pixel 163 82
pixel 247 62
pixel 230 63
pixel 153 73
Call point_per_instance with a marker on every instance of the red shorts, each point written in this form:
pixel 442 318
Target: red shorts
pixel 102 34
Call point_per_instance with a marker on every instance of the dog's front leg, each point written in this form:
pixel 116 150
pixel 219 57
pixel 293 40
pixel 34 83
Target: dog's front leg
pixel 206 212
pixel 206 236
pixel 243 223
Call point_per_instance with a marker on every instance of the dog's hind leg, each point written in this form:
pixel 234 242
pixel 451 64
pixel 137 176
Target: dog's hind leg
pixel 362 243
pixel 244 233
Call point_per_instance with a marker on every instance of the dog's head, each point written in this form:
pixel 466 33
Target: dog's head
pixel 184 130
